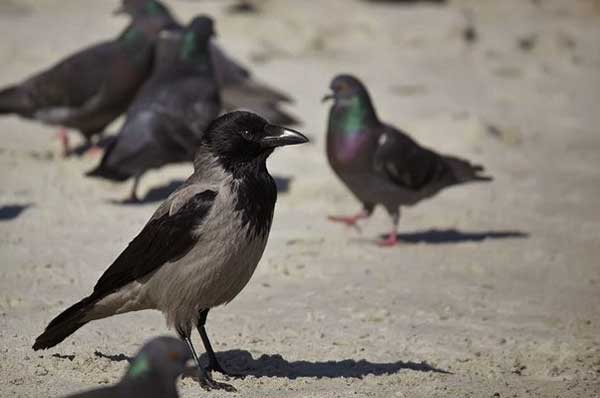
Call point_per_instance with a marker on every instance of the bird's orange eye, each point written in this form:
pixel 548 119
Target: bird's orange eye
pixel 174 356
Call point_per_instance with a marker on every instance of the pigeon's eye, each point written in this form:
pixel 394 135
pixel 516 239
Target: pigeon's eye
pixel 246 135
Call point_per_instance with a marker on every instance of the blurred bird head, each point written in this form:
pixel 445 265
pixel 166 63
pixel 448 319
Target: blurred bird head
pixel 240 139
pixel 203 27
pixel 138 8
pixel 344 88
pixel 163 357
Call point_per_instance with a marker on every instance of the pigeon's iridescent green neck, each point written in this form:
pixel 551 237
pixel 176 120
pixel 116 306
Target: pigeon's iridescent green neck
pixel 354 116
pixel 192 50
pixel 153 8
pixel 139 368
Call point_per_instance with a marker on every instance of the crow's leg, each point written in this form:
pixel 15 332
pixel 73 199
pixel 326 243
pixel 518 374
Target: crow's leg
pixel 213 364
pixel 204 378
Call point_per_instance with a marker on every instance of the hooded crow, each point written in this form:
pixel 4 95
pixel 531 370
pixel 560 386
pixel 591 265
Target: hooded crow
pixel 91 88
pixel 202 244
pixel 166 120
pixel 379 163
pixel 152 373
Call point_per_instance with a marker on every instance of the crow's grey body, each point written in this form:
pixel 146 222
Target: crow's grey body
pixel 212 272
pixel 202 244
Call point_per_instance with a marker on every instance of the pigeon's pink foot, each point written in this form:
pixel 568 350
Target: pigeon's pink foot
pixel 391 240
pixel 94 151
pixel 63 137
pixel 348 220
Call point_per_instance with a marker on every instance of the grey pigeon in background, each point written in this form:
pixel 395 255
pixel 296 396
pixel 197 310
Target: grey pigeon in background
pixel 240 90
pixel 167 118
pixel 201 246
pixel 91 88
pixel 379 163
pixel 152 373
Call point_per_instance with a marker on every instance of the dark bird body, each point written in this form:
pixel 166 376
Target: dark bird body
pixel 91 88
pixel 381 164
pixel 239 90
pixel 202 244
pixel 153 372
pixel 166 121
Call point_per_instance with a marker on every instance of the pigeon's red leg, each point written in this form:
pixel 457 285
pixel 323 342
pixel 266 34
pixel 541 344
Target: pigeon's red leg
pixel 94 151
pixel 352 220
pixel 391 240
pixel 63 137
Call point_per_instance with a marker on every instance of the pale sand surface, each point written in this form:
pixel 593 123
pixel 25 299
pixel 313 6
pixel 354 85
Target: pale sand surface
pixel 328 314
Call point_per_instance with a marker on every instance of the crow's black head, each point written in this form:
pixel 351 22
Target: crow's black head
pixel 140 8
pixel 163 358
pixel 241 138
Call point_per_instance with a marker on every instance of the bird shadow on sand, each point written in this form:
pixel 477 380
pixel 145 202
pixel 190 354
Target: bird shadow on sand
pixel 444 236
pixel 10 212
pixel 241 363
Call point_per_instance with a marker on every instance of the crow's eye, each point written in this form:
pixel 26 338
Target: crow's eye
pixel 246 135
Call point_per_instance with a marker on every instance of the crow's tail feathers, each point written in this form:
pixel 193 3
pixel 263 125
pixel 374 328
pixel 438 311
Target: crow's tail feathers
pixel 64 325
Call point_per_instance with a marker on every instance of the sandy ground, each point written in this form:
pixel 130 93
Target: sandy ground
pixel 496 291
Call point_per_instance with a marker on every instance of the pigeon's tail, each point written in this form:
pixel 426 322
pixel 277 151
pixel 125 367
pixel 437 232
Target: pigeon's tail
pixel 463 171
pixel 103 170
pixel 64 325
pixel 14 100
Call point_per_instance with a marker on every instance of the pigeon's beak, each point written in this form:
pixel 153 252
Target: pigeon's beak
pixel 328 97
pixel 280 136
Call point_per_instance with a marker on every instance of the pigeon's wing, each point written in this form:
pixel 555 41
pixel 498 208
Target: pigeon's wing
pixel 240 91
pixel 167 237
pixel 190 101
pixel 408 164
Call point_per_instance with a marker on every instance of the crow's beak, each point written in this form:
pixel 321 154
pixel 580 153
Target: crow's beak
pixel 327 97
pixel 280 136
pixel 120 11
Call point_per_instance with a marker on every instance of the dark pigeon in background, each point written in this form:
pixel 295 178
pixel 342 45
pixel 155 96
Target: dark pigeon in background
pixel 201 246
pixel 239 90
pixel 379 163
pixel 152 373
pixel 91 88
pixel 167 118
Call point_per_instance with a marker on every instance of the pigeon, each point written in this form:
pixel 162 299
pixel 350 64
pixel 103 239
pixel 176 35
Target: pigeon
pixel 108 76
pixel 166 121
pixel 202 244
pixel 240 90
pixel 152 373
pixel 380 164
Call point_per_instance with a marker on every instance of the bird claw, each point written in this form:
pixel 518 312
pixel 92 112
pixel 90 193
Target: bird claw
pixel 391 240
pixel 226 374
pixel 209 384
